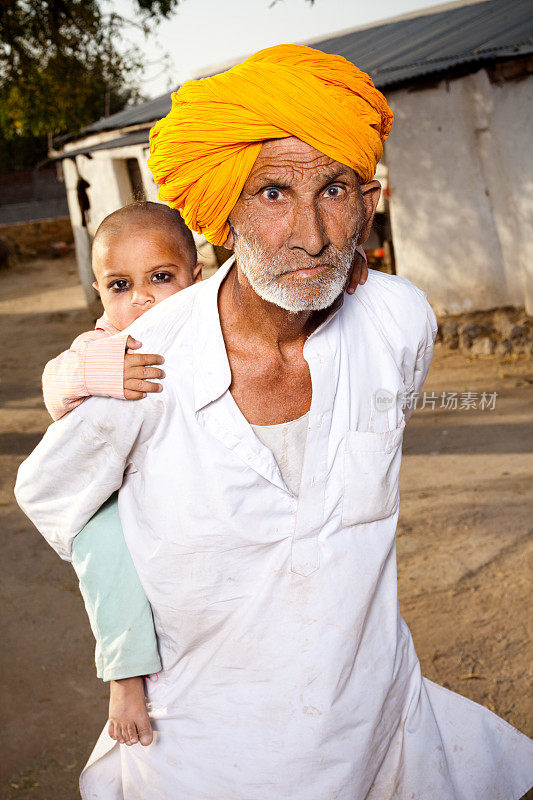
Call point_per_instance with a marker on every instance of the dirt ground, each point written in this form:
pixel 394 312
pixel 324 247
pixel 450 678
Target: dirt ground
pixel 463 548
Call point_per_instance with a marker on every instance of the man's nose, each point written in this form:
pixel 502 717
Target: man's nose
pixel 142 295
pixel 308 232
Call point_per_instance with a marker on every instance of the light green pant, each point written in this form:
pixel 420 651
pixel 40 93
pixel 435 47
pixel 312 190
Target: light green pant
pixel 119 612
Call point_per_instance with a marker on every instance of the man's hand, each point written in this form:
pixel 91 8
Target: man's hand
pixel 138 367
pixel 358 274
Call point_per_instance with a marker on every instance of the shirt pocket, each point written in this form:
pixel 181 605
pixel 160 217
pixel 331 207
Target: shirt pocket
pixel 371 475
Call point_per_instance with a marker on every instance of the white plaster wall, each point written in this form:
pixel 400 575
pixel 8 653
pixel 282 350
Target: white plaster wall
pixel 110 185
pixel 150 186
pixel 383 177
pixel 459 159
pixel 511 146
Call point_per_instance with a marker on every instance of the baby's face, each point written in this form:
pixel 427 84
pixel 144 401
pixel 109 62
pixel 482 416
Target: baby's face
pixel 137 269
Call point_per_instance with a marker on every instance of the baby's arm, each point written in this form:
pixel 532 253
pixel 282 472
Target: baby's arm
pixel 94 365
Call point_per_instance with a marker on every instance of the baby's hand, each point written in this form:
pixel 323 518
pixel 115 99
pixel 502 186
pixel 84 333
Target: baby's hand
pixel 138 367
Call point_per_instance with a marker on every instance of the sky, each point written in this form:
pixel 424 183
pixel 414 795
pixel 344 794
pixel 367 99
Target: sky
pixel 202 33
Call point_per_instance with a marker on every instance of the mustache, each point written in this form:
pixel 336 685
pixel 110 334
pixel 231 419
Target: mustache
pixel 326 264
pixel 285 264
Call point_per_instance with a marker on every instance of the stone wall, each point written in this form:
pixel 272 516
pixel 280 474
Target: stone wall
pixel 498 332
pixel 45 238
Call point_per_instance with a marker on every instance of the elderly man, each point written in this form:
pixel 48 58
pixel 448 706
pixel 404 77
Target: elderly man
pixel 259 491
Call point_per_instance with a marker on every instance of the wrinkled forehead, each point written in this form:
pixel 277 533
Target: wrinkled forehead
pixel 291 158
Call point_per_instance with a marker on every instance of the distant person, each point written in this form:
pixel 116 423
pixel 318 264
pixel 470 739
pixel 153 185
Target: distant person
pixel 260 490
pixel 82 187
pixel 4 254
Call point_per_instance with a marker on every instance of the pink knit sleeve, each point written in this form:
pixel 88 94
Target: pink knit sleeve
pixel 93 366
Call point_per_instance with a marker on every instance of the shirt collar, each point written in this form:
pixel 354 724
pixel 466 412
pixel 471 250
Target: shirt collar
pixel 212 373
pixel 103 324
pixel 333 310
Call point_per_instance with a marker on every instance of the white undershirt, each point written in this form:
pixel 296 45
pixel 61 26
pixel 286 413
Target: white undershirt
pixel 287 442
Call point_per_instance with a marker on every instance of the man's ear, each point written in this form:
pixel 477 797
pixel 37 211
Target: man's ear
pixel 371 193
pixel 95 286
pixel 230 241
pixel 197 273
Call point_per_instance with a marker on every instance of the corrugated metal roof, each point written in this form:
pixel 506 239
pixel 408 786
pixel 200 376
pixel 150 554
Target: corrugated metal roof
pixel 404 50
pixel 133 115
pixel 135 137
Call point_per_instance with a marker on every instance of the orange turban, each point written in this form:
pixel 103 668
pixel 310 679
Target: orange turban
pixel 203 150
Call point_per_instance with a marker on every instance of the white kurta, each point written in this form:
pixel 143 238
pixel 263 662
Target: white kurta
pixel 288 671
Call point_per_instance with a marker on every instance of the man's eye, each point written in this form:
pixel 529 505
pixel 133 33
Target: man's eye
pixel 119 286
pixel 161 277
pixel 333 191
pixel 271 193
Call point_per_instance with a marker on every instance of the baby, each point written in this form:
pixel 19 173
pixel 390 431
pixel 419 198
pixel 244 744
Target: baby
pixel 141 254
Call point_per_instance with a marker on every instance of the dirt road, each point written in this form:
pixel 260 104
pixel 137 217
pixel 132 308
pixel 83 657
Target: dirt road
pixel 463 546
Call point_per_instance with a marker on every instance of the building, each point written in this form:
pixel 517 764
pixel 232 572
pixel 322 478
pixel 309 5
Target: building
pixel 458 215
pixel 30 195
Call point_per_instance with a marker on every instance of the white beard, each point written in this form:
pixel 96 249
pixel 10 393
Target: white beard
pixel 267 275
